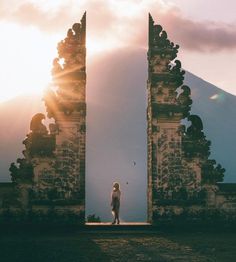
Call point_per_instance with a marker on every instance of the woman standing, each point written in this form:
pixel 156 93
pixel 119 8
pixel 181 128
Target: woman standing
pixel 115 202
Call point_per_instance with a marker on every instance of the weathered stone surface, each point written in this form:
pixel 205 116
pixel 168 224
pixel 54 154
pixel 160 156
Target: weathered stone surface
pixel 180 173
pixel 70 244
pixel 51 176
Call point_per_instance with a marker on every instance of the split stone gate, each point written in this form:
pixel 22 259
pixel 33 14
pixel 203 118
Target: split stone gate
pixel 49 182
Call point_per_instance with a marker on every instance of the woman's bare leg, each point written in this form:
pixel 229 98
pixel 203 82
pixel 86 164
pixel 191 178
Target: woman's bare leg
pixel 114 217
pixel 117 217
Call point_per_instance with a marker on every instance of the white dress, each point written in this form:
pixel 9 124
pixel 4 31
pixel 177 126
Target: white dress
pixel 115 200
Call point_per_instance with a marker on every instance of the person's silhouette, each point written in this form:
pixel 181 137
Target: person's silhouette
pixel 115 202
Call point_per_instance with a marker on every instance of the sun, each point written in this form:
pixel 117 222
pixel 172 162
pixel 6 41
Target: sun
pixel 26 57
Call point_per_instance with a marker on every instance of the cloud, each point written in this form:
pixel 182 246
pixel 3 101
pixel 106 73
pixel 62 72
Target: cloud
pixel 206 36
pixel 124 22
pixel 53 19
pixel 30 14
pixel 200 36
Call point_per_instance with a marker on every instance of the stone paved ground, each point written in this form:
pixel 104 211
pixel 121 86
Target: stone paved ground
pixel 116 246
pixel 147 248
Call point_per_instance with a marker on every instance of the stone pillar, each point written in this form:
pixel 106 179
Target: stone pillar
pixel 170 176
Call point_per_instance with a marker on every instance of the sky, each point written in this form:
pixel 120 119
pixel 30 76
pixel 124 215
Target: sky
pixel 116 43
pixel 30 30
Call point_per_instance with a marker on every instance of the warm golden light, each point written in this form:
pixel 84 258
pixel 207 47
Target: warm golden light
pixel 29 39
pixel 26 56
pixel 26 59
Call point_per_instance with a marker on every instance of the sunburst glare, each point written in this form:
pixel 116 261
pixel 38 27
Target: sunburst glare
pixel 27 60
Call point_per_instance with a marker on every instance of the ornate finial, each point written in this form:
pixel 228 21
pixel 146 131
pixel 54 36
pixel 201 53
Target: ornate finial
pixel 197 125
pixel 150 34
pixel 69 72
pixel 83 28
pixel 36 125
pixel 158 40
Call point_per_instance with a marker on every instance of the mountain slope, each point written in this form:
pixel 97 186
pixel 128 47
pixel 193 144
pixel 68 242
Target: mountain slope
pixel 217 109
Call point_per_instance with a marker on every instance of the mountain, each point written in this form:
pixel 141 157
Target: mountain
pixel 217 109
pixel 116 129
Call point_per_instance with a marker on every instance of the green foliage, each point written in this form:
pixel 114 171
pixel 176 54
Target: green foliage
pixel 93 218
pixel 212 173
pixel 23 171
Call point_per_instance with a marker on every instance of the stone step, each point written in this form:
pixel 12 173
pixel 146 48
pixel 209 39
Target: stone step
pixel 123 226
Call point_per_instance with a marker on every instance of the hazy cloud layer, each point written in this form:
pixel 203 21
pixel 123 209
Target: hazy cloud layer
pixel 124 22
pixel 199 36
pixel 30 14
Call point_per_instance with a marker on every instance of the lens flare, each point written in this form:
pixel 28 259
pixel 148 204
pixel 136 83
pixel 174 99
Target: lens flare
pixel 218 97
pixel 214 97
